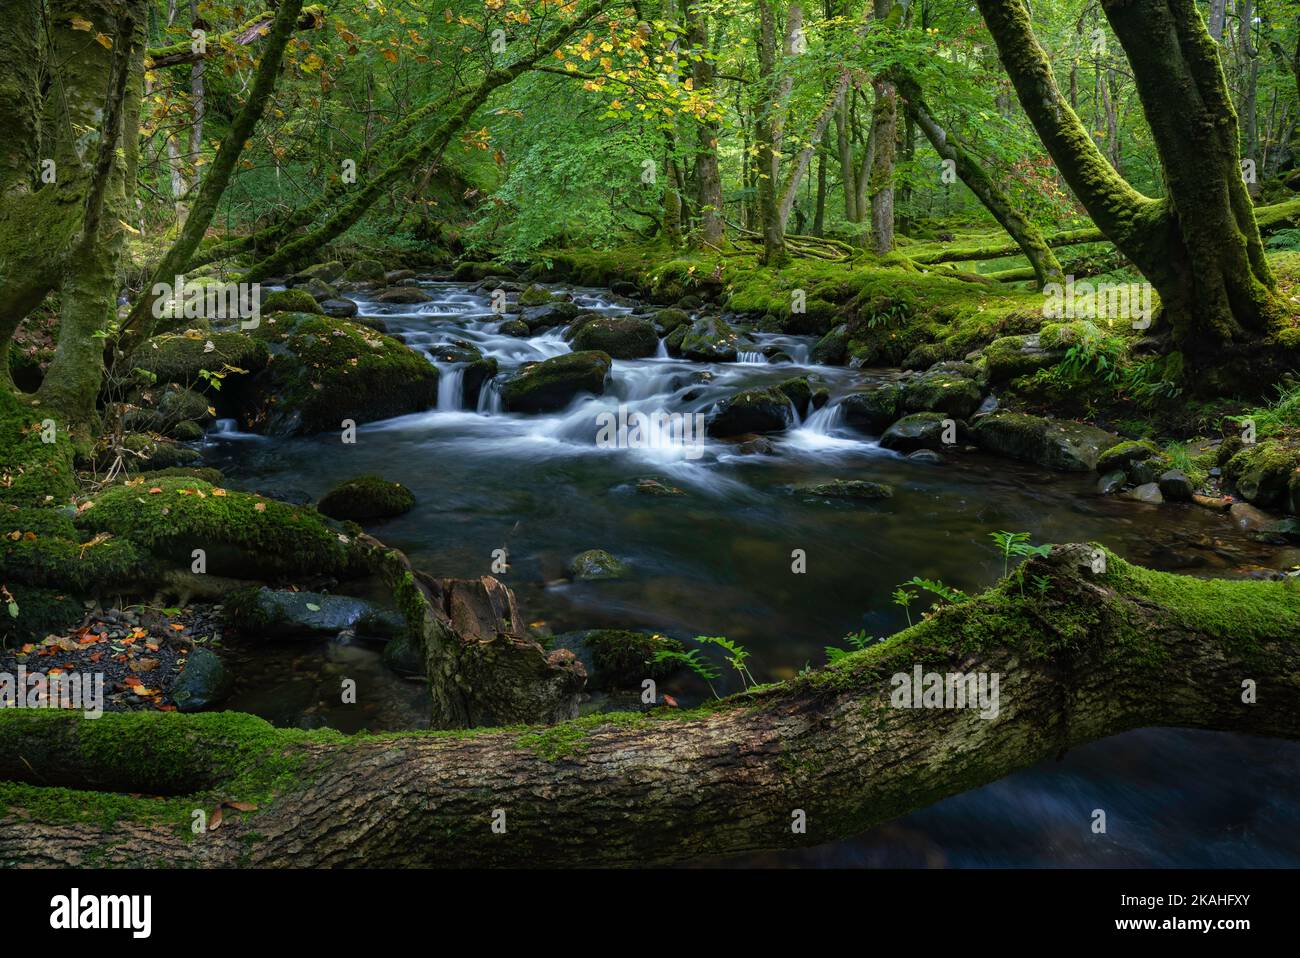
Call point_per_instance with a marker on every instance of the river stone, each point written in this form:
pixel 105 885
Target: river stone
pixel 928 456
pixel 833 348
pixel 1142 471
pixel 922 430
pixel 710 340
pixel 551 314
pixel 1013 356
pixel 1247 517
pixel 403 295
pixel 1055 444
pixel 396 276
pixel 1175 486
pixel 622 337
pixel 752 411
pixel 849 489
pixel 203 682
pixel 944 392
pixel 534 296
pixel 339 308
pixel 1281 532
pixel 873 410
pixel 1147 492
pixel 290 301
pixel 365 271
pixel 595 564
pixel 667 320
pixel 276 614
pixel 1123 454
pixel 799 392
pixel 553 383
pixel 1112 482
pixel 328 272
pixel 515 327
pixel 653 487
pixel 619 658
pixel 319 290
pixel 366 497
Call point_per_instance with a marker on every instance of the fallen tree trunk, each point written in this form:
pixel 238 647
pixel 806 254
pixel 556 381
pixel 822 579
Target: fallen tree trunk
pixel 1093 654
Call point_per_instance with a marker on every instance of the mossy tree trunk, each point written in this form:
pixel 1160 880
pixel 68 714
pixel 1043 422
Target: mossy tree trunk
pixel 1019 226
pixel 1200 246
pixel 767 111
pixel 708 178
pixel 1093 655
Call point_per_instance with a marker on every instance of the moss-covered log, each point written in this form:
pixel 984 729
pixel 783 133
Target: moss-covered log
pixel 1093 654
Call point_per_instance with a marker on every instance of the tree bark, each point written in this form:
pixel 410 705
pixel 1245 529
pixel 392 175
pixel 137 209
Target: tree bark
pixel 1096 654
pixel 765 113
pixel 708 178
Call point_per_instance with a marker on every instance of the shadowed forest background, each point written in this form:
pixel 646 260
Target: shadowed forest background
pixel 977 323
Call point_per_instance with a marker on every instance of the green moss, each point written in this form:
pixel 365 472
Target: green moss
pixel 366 497
pixel 181 359
pixel 290 301
pixel 33 471
pixel 1120 455
pixel 1262 471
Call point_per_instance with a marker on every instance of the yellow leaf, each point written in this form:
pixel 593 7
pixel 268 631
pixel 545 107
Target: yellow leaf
pixel 103 41
pixel 81 23
pixel 129 228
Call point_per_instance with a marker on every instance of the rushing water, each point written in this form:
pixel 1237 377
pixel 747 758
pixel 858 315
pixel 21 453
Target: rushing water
pixel 717 560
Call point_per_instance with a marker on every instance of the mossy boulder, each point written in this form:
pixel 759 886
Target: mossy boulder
pixel 338 308
pixel 148 452
pixel 366 497
pixel 833 348
pixel 553 383
pixel 471 272
pixel 1013 356
pixel 1054 444
pixel 164 409
pixel 622 337
pixel 873 410
pixel 515 327
pixel 535 295
pixel 942 391
pixel 800 393
pixel 752 411
pixel 365 271
pixel 403 296
pixel 1123 454
pixel 552 314
pixel 327 272
pixel 595 564
pixel 328 370
pixel 290 301
pixel 242 535
pixel 318 289
pixel 40 612
pixel 619 658
pixel 181 359
pixel 710 339
pixel 1265 473
pixel 922 430
pixel 670 319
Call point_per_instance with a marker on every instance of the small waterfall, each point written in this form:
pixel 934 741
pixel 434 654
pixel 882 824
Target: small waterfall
pixel 451 385
pixel 747 356
pixel 224 426
pixel 824 421
pixel 489 398
pixel 662 351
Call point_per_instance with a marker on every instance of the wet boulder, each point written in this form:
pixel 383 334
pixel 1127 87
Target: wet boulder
pixel 799 392
pixel 667 320
pixel 833 348
pixel 553 383
pixel 327 272
pixel 619 658
pixel 291 301
pixel 922 430
pixel 203 682
pixel 516 328
pixel 860 489
pixel 941 391
pixel 365 271
pixel 283 614
pixel 1124 454
pixel 873 410
pixel 1054 444
pixel 1175 486
pixel 182 358
pixel 403 296
pixel 318 289
pixel 710 340
pixel 338 308
pixel 553 313
pixel 752 411
pixel 622 337
pixel 1013 356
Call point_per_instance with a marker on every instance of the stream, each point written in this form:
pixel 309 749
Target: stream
pixel 717 560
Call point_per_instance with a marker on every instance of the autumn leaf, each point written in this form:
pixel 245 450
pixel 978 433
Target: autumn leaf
pixel 241 806
pixel 214 820
pixel 81 23
pixel 107 44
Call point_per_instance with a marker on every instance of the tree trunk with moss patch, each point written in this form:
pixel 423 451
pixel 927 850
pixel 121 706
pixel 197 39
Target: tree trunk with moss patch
pixel 708 179
pixel 1095 654
pixel 1200 246
pixel 1027 236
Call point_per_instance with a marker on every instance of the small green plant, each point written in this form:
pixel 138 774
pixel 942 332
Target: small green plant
pixel 859 640
pixel 1016 544
pixel 1094 356
pixel 936 587
pixel 903 596
pixel 691 660
pixel 736 656
pixel 1041 584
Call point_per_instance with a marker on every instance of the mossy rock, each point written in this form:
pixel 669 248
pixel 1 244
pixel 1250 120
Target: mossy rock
pixel 327 272
pixel 40 612
pixel 153 452
pixel 206 473
pixel 1054 444
pixel 553 383
pixel 1013 356
pixel 367 497
pixel 290 301
pixel 329 370
pixel 180 359
pixel 620 658
pixel 595 565
pixel 710 340
pixel 277 613
pixel 873 410
pixel 922 430
pixel 535 296
pixel 799 392
pixel 242 535
pixel 365 271
pixel 622 337
pixel 1264 472
pixel 860 489
pixel 956 396
pixel 752 411
pixel 1123 454
pixel 471 272
pixel 833 348
pixel 670 319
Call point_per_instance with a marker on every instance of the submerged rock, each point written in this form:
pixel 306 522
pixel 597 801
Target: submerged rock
pixel 339 308
pixel 653 487
pixel 849 489
pixel 710 340
pixel 366 497
pixel 1112 482
pixel 595 564
pixel 619 658
pixel 1148 492
pixel 553 383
